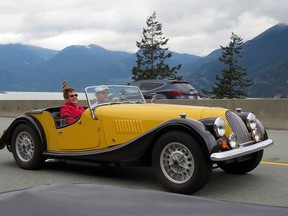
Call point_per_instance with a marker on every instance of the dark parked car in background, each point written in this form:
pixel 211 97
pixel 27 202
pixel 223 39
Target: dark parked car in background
pixel 167 89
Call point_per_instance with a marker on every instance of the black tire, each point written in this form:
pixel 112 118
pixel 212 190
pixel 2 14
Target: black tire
pixel 179 163
pixel 27 147
pixel 245 166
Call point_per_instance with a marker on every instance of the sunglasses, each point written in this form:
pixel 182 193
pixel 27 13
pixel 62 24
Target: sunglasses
pixel 74 95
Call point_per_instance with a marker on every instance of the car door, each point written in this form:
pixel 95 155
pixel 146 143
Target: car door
pixel 84 134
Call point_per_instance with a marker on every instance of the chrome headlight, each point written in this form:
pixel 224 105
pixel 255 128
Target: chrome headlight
pixel 233 141
pixel 251 121
pixel 219 127
pixel 257 135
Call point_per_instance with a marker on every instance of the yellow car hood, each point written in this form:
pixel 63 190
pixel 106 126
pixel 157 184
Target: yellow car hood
pixel 160 112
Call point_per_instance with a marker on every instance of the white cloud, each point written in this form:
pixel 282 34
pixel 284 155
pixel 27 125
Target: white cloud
pixel 192 26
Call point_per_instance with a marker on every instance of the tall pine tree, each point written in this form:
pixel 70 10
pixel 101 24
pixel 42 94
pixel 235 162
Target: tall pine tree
pixel 232 82
pixel 152 54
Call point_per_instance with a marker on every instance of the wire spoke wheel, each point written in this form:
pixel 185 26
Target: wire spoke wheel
pixel 27 147
pixel 177 163
pixel 24 146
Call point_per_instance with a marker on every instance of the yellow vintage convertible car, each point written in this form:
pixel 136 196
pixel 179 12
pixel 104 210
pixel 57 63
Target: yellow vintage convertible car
pixel 181 143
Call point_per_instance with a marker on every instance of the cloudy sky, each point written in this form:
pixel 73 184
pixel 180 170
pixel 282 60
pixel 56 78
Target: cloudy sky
pixel 192 26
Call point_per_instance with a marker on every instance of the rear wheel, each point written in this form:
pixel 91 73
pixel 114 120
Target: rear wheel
pixel 179 163
pixel 27 147
pixel 245 166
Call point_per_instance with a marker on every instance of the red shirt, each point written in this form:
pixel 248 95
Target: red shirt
pixel 72 111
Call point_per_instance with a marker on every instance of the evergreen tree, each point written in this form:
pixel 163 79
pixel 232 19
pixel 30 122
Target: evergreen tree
pixel 231 83
pixel 152 54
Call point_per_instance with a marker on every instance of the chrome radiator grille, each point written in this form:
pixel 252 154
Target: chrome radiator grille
pixel 238 127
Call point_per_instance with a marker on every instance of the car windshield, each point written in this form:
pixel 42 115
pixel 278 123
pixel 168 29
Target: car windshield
pixel 112 94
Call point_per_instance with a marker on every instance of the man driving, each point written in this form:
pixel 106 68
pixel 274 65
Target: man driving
pixel 101 93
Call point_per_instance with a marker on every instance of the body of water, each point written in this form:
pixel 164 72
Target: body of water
pixel 35 96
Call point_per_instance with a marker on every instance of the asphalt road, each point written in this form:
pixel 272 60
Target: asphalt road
pixel 266 185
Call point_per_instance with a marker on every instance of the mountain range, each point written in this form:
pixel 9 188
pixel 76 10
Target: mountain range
pixel 30 68
pixel 265 57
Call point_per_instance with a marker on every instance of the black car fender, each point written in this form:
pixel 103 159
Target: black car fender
pixel 25 119
pixel 195 128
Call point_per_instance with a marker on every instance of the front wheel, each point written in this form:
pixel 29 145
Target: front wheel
pixel 27 147
pixel 179 163
pixel 245 166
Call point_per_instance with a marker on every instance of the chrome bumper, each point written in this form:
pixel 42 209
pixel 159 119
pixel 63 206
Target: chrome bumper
pixel 241 151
